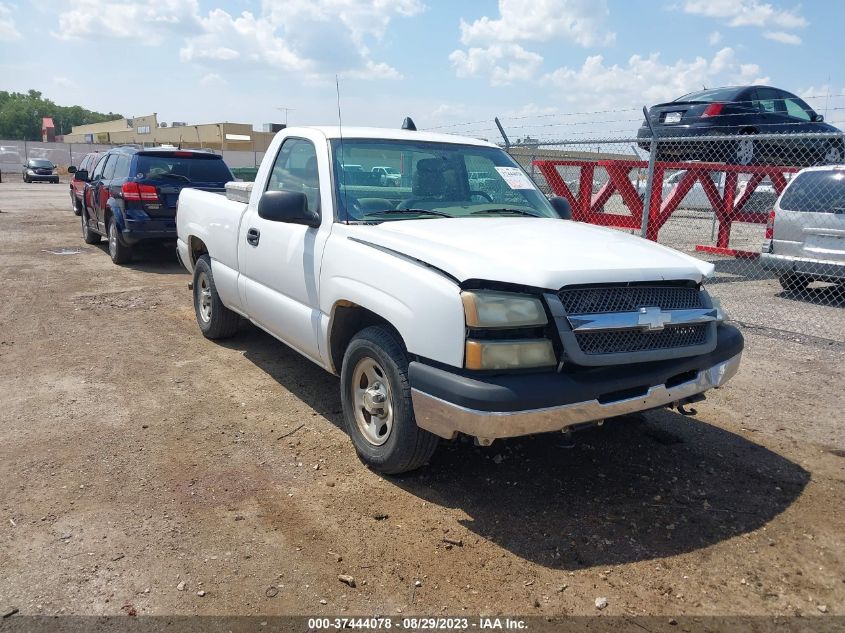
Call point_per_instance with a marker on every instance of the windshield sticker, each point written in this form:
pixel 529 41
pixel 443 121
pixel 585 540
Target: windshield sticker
pixel 515 178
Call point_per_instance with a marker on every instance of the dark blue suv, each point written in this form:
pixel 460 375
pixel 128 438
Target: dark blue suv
pixel 131 194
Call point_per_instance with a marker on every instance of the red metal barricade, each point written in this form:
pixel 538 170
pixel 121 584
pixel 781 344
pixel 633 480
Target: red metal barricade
pixel 727 205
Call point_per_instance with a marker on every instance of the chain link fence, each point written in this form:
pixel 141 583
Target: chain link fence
pixel 768 210
pixel 13 155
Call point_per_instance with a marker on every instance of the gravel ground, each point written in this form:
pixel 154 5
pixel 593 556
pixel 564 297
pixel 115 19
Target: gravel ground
pixel 145 469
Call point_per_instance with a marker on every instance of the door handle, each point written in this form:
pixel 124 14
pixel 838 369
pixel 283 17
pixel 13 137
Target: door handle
pixel 252 237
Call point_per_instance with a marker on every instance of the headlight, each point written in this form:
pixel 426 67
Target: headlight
pixel 525 354
pixel 502 309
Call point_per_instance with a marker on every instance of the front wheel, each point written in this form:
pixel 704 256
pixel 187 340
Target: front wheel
pixel 833 155
pixel 377 408
pixel 77 207
pixel 120 252
pixel 215 319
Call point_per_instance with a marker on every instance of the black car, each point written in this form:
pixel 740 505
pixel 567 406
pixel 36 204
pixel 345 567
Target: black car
pixel 39 169
pixel 132 193
pixel 743 111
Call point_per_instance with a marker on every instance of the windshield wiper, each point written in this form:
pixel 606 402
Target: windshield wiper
pixel 176 176
pixel 407 212
pixel 503 211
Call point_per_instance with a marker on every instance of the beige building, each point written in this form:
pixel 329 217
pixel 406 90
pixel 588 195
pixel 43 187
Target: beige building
pixel 146 130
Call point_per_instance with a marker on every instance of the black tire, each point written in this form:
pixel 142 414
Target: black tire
pixel 119 251
pixel 744 151
pixel 833 154
pixel 77 208
pixel 793 282
pixel 88 235
pixel 406 446
pixel 217 321
pixel 26 179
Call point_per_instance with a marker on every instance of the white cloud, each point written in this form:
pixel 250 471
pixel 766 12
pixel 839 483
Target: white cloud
pixel 747 13
pixel 62 82
pixel 714 38
pixel 148 23
pixel 579 21
pixel 783 37
pixel 493 45
pixel 8 30
pixel 316 37
pixel 500 63
pixel 647 80
pixel 210 80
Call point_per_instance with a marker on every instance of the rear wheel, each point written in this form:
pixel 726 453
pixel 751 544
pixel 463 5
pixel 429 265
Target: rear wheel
pixel 120 252
pixel 377 408
pixel 793 282
pixel 88 235
pixel 744 150
pixel 833 155
pixel 215 319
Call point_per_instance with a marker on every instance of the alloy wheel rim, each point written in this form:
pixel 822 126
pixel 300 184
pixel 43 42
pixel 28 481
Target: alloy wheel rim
pixel 204 298
pixel 745 151
pixel 372 401
pixel 833 156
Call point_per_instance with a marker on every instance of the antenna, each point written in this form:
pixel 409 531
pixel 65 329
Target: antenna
pixel 341 164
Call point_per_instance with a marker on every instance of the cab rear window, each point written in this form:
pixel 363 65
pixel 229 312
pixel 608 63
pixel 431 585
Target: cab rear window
pixel 816 192
pixel 197 169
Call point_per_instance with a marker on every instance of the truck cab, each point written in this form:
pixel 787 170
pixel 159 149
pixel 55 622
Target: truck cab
pixel 447 309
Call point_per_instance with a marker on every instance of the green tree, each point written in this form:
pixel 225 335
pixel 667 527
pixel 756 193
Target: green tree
pixel 21 114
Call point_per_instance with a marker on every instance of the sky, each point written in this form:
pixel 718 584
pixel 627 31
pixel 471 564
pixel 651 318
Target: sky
pixel 549 68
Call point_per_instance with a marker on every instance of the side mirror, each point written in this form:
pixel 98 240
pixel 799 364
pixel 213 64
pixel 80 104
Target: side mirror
pixel 818 118
pixel 80 174
pixel 561 205
pixel 71 170
pixel 287 206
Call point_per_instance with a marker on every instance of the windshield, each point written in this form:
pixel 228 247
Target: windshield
pixel 434 180
pixel 40 162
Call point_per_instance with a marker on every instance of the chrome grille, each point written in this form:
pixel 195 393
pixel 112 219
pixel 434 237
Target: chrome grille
pixel 627 341
pixel 628 298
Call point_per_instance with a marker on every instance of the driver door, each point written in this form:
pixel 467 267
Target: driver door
pixel 279 261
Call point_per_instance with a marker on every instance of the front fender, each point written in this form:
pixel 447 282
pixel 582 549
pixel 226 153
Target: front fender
pixel 422 304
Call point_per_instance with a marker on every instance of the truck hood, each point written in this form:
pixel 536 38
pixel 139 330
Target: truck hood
pixel 539 252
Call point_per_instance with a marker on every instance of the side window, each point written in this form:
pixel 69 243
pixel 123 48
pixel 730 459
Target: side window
pixel 98 170
pixel 295 169
pixel 121 169
pixel 85 161
pixel 766 101
pixel 108 171
pixel 796 109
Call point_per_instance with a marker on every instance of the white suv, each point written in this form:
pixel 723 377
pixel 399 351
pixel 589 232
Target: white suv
pixel 805 236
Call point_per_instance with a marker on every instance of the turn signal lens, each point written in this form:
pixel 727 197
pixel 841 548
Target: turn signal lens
pixel 502 309
pixel 509 354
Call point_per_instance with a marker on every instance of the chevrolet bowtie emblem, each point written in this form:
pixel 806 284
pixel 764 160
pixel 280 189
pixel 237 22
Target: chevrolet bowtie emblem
pixel 653 319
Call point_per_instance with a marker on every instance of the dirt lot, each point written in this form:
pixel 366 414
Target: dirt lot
pixel 137 456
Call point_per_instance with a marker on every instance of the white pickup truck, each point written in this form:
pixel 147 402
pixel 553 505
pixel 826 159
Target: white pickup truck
pixel 446 310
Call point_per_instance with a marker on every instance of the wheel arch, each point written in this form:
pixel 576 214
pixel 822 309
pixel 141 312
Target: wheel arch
pixel 347 319
pixel 196 248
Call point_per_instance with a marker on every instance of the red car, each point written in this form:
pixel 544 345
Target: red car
pixel 77 187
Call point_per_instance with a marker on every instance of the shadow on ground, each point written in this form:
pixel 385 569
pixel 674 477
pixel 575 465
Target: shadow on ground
pixel 152 257
pixel 637 488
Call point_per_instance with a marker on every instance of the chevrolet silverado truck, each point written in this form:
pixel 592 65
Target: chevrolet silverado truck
pixel 445 309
